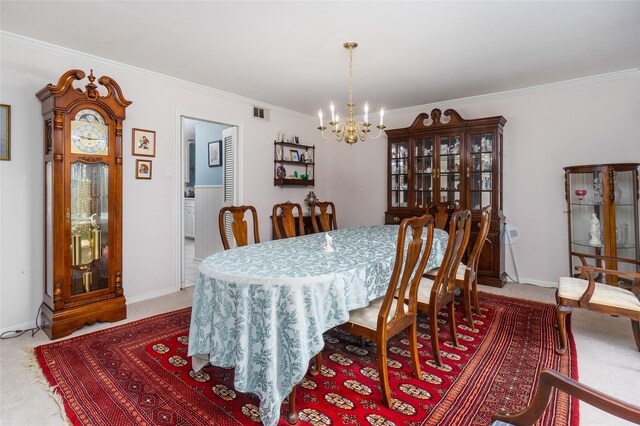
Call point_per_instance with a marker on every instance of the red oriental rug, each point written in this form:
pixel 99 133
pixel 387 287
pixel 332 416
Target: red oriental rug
pixel 139 373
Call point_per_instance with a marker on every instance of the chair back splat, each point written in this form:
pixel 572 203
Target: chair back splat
pixel 239 226
pixel 326 217
pixel 441 212
pixel 285 226
pixel 408 269
pixel 459 230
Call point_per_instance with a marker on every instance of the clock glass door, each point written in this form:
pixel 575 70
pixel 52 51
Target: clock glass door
pixel 89 227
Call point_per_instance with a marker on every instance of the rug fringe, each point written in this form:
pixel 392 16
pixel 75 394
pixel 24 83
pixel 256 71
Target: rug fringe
pixel 30 362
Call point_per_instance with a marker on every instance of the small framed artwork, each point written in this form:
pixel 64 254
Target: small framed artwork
pixel 296 140
pixel 215 157
pixel 143 142
pixel 294 155
pixel 143 169
pixel 5 132
pixel 302 158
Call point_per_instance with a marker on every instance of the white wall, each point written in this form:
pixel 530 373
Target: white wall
pixel 151 208
pixel 589 121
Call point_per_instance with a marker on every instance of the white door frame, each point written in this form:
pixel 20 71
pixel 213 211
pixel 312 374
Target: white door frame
pixel 180 153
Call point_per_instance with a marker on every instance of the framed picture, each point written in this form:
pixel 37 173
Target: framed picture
pixel 143 169
pixel 215 157
pixel 143 142
pixel 294 155
pixel 5 132
pixel 295 140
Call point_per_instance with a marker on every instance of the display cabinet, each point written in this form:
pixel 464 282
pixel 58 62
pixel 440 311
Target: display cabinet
pixel 451 160
pixel 293 164
pixel 83 203
pixel 602 207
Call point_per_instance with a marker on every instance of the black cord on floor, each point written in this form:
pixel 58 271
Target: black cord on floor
pixel 509 277
pixel 18 333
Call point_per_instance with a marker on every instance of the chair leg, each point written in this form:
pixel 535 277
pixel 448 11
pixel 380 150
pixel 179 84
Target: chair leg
pixel 635 326
pixel 475 295
pixel 433 323
pixel 466 294
pixel 561 314
pixel 383 374
pixel 316 371
pixel 413 347
pixel 292 415
pixel 452 322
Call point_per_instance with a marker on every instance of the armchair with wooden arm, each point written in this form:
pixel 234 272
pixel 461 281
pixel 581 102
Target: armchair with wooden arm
pixel 585 292
pixel 550 379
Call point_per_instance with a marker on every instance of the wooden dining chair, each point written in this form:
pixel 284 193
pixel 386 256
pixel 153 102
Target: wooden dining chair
pixel 585 292
pixel 433 294
pixel 384 317
pixel 550 379
pixel 467 275
pixel 284 222
pixel 441 212
pixel 326 216
pixel 239 226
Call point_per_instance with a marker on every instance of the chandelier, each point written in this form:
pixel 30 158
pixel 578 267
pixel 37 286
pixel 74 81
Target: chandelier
pixel 350 131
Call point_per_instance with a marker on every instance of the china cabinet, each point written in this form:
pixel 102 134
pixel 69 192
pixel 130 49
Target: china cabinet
pixel 455 160
pixel 602 210
pixel 83 203
pixel 293 164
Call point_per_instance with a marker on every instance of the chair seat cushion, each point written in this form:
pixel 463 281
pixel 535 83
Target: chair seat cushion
pixel 603 294
pixel 368 316
pixel 459 273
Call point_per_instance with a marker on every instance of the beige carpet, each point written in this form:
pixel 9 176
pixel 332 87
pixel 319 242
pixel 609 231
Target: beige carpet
pixel 607 359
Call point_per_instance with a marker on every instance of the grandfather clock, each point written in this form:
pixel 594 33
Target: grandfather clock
pixel 83 203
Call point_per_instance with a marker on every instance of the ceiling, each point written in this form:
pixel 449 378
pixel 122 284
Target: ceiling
pixel 290 54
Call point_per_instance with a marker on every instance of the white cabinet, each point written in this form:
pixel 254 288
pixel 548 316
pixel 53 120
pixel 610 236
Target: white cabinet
pixel 189 217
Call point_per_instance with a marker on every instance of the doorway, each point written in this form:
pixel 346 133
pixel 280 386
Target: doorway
pixel 208 181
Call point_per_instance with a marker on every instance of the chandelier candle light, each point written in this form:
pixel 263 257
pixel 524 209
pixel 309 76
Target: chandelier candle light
pixel 350 131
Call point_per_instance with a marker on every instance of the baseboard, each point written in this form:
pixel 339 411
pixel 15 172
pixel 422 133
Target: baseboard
pixel 539 283
pixel 150 295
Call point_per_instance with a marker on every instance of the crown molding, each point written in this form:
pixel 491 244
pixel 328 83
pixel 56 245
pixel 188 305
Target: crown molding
pixel 583 81
pixel 75 55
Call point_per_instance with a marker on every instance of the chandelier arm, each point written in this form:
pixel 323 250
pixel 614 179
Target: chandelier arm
pixel 340 131
pixel 362 131
pixel 322 133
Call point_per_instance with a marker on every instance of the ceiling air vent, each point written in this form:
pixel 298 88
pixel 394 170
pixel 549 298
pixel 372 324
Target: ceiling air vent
pixel 260 113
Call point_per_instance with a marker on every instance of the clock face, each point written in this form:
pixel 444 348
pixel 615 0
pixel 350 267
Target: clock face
pixel 89 133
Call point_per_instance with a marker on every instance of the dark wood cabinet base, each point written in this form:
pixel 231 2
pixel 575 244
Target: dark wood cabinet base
pixel 62 323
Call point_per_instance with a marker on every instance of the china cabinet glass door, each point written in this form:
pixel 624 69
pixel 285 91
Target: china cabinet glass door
pixel 480 171
pixel 423 173
pixel 449 168
pixel 603 213
pixel 626 216
pixel 586 210
pixel 399 174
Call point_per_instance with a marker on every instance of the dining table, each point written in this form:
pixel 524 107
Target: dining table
pixel 262 308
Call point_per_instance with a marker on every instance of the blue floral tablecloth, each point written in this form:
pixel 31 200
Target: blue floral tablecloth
pixel 263 308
